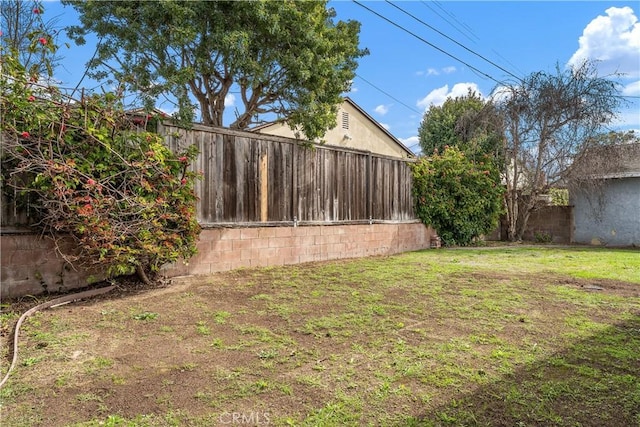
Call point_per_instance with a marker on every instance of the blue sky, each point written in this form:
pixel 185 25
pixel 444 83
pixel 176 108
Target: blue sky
pixel 403 75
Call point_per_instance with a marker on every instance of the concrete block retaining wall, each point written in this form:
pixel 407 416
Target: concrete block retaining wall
pixel 554 222
pixel 30 264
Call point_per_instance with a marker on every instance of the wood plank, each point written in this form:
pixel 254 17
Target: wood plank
pixel 264 187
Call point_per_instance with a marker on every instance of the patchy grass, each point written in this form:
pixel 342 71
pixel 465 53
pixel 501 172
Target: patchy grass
pixel 493 336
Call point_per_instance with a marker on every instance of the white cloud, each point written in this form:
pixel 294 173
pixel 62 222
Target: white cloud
pixel 632 89
pixel 412 143
pixel 229 100
pixel 628 119
pixel 500 93
pixel 381 109
pixel 438 96
pixel 613 41
pixel 436 72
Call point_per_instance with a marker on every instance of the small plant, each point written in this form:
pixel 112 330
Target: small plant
pixel 118 380
pixel 189 366
pixel 542 237
pixel 220 317
pixel 268 354
pixel 96 364
pixel 88 397
pixel 145 315
pixel 261 385
pixel 202 328
pixel 30 361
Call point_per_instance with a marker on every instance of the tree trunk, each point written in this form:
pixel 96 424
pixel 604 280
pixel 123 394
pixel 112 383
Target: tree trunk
pixel 142 275
pixel 511 200
pixel 523 220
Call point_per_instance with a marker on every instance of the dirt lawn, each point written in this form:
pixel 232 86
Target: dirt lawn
pixel 493 337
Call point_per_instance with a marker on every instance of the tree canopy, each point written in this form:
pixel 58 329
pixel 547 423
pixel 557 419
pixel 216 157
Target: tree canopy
pixel 548 120
pixel 467 122
pixel 284 58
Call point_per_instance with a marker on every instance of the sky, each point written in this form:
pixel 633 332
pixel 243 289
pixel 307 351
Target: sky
pixel 458 45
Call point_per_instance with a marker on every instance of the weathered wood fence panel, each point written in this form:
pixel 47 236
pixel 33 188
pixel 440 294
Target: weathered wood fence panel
pixel 262 178
pixel 254 178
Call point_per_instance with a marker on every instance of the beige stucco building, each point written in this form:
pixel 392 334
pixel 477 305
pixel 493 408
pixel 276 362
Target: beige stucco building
pixel 355 129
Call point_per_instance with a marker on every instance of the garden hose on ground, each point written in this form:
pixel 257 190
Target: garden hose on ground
pixel 54 302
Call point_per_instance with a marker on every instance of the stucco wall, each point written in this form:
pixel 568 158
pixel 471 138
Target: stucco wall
pixel 30 264
pixel 613 220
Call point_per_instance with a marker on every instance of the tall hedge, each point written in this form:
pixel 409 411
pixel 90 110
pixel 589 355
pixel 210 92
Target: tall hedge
pixel 460 199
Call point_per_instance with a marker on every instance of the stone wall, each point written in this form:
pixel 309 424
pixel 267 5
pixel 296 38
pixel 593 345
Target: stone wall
pixel 30 264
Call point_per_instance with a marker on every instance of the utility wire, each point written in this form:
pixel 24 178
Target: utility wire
pixel 463 24
pixel 451 23
pixel 453 40
pixel 467 28
pixel 429 43
pixel 386 93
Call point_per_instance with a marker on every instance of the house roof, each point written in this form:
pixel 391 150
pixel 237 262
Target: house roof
pixel 364 114
pixel 610 161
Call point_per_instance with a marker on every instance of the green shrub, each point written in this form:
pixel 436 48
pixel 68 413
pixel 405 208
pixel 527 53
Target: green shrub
pixel 559 196
pixel 461 200
pixel 542 237
pixel 90 173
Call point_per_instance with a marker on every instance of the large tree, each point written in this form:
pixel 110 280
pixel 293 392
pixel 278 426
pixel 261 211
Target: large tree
pixel 467 122
pixel 284 58
pixel 548 120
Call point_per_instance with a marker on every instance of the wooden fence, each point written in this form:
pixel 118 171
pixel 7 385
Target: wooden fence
pixel 255 178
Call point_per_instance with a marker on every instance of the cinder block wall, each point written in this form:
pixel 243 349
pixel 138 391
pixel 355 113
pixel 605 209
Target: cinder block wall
pixel 554 221
pixel 31 266
pixel 222 249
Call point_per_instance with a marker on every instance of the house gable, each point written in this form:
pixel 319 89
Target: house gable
pixel 354 129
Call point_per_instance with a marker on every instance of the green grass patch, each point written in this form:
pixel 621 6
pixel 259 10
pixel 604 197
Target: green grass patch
pixel 493 336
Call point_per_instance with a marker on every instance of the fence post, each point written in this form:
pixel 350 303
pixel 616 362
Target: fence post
pixel 264 186
pixel 294 182
pixel 369 181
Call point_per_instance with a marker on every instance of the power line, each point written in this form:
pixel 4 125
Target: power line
pixel 429 43
pixel 467 28
pixel 453 40
pixel 389 95
pixel 450 23
pixel 463 24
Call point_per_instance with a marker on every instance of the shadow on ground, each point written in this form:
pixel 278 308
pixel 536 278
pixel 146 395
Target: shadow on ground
pixel 595 382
